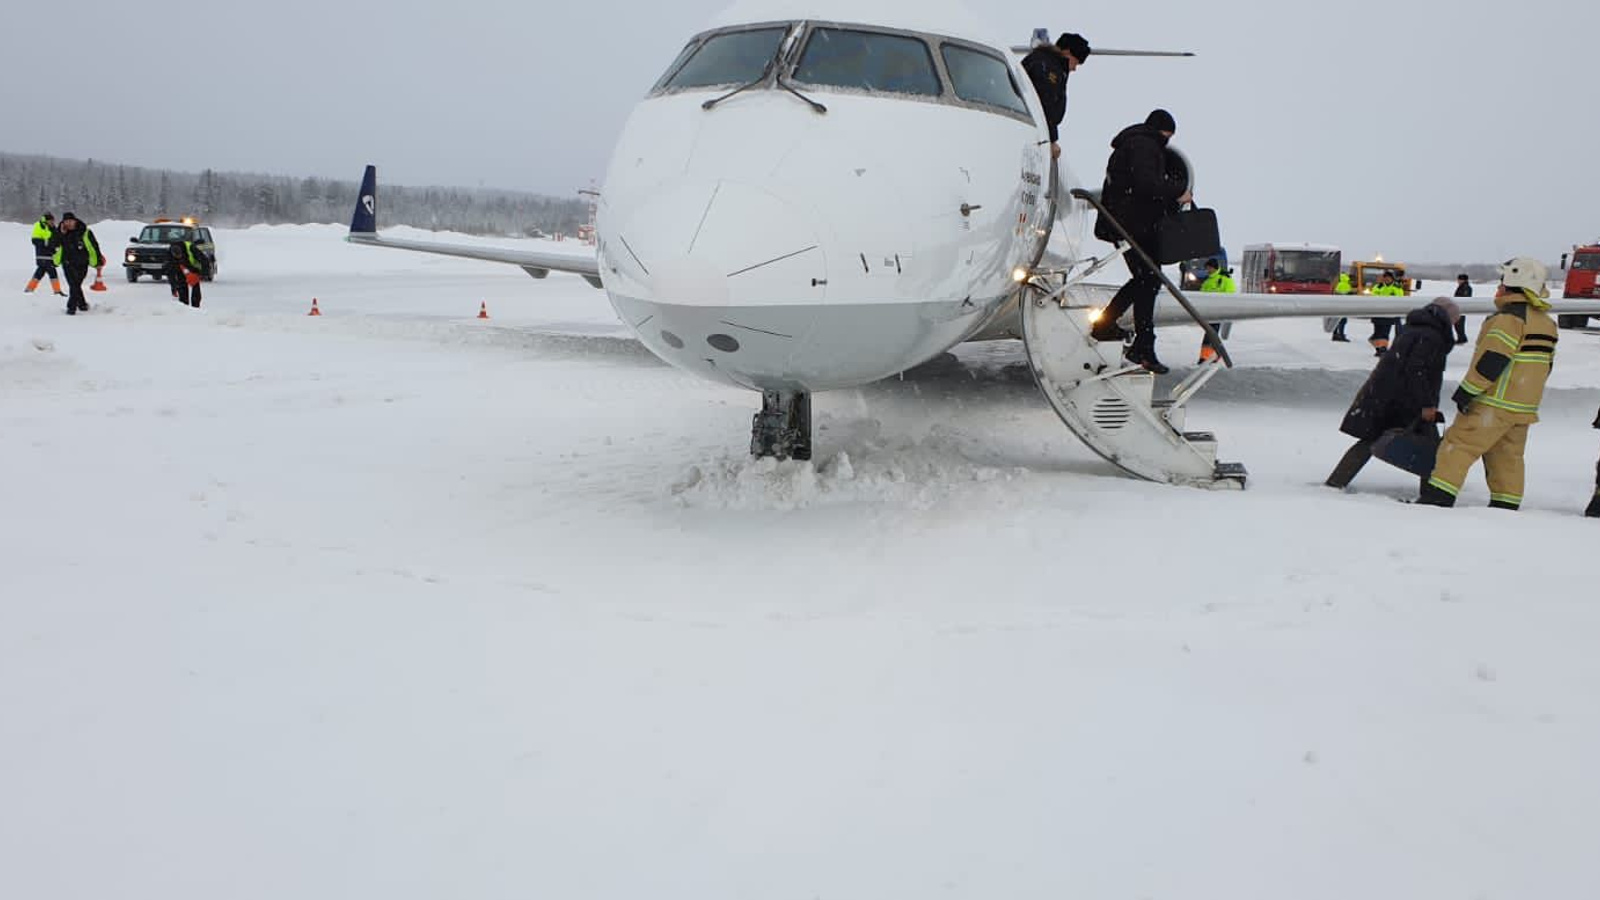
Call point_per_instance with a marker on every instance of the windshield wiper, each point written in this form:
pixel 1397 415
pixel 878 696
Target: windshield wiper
pixel 767 70
pixel 816 107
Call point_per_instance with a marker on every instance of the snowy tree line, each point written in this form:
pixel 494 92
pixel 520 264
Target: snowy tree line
pixel 30 185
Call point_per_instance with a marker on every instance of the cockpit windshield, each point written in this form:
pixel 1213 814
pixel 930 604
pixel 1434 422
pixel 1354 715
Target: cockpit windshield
pixel 1306 266
pixel 868 61
pixel 734 57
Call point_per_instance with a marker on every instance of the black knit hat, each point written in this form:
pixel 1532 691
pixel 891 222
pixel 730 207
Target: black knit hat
pixel 1161 120
pixel 66 215
pixel 1074 44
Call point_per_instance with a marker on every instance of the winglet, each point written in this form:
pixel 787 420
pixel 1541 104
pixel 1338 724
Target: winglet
pixel 365 219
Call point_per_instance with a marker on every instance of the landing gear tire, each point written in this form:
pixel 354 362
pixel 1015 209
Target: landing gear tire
pixel 782 430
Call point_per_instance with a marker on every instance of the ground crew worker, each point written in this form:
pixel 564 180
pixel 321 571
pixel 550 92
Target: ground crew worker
pixel 77 251
pixel 1383 326
pixel 1499 397
pixel 1048 67
pixel 1342 287
pixel 1463 289
pixel 185 269
pixel 1218 281
pixel 44 263
pixel 1593 511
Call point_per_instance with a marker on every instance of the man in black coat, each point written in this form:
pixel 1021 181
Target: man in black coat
pixel 1142 187
pixel 1463 289
pixel 80 252
pixel 1403 389
pixel 1048 67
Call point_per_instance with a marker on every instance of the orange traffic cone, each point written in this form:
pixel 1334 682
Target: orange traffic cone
pixel 99 282
pixel 483 310
pixel 314 310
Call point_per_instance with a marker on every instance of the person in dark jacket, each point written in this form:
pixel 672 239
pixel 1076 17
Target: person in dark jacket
pixel 76 249
pixel 1463 289
pixel 1403 388
pixel 43 259
pixel 1048 67
pixel 1593 511
pixel 1142 187
pixel 185 269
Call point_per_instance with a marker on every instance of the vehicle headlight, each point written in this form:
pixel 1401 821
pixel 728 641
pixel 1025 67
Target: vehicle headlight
pixel 131 256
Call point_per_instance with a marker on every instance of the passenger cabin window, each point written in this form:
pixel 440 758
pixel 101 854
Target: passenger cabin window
pixel 866 61
pixel 735 57
pixel 981 78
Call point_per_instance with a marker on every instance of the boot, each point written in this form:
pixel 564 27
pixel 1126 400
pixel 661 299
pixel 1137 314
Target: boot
pixel 1109 332
pixel 1143 353
pixel 1432 496
pixel 1339 338
pixel 33 285
pixel 1351 463
pixel 55 285
pixel 1593 511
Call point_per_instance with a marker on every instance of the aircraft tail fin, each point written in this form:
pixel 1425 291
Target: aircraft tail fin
pixel 365 218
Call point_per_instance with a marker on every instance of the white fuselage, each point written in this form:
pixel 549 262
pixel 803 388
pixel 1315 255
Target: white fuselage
pixel 767 245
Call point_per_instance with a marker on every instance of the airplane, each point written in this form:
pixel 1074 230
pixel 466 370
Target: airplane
pixel 820 194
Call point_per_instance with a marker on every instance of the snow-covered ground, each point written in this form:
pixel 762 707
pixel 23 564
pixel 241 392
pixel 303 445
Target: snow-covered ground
pixel 398 603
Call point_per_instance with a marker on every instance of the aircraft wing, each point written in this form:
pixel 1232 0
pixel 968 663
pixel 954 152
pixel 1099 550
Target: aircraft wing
pixel 364 230
pixel 1242 307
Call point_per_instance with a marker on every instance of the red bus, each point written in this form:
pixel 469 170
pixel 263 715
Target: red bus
pixel 1290 269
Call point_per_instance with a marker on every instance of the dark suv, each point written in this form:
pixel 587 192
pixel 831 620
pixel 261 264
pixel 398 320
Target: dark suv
pixel 151 250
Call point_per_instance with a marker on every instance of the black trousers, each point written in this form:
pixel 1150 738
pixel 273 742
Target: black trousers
pixel 75 276
pixel 1381 329
pixel 45 269
pixel 187 294
pixel 1461 330
pixel 1140 293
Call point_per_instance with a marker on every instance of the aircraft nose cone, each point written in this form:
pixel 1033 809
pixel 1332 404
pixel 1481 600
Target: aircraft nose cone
pixel 721 243
pixel 688 281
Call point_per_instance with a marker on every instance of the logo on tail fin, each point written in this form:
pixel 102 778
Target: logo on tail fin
pixel 370 204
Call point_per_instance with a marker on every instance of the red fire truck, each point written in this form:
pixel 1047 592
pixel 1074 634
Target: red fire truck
pixel 1290 269
pixel 1583 279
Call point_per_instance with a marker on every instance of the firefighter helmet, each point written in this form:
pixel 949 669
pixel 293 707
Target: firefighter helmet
pixel 1527 274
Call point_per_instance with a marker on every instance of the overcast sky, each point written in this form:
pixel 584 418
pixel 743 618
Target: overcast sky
pixel 1422 131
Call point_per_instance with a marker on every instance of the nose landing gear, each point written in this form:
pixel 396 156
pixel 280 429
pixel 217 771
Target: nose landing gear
pixel 782 430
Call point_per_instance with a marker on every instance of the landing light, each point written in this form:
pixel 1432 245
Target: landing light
pixel 1094 315
pixel 1020 275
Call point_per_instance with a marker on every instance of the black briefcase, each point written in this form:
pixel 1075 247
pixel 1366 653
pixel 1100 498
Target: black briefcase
pixel 1187 234
pixel 1413 449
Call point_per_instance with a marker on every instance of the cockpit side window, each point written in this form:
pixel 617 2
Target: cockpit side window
pixel 868 61
pixel 980 78
pixel 734 57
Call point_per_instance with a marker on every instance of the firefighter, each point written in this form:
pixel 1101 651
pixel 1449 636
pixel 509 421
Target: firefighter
pixel 77 251
pixel 1342 288
pixel 1382 327
pixel 1218 281
pixel 43 260
pixel 1048 67
pixel 1140 190
pixel 185 268
pixel 1463 289
pixel 1499 397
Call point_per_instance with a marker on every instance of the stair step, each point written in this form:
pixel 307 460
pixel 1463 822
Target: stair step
pixel 1232 472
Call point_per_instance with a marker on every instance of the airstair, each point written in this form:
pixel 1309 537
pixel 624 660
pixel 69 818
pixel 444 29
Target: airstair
pixel 1111 405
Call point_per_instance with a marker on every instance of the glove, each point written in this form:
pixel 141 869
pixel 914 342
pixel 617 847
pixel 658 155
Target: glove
pixel 1462 399
pixel 192 279
pixel 1597 420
